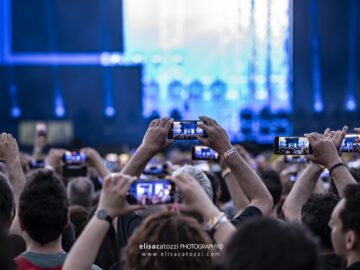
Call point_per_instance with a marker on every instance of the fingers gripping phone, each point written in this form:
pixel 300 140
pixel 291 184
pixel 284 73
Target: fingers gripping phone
pixel 151 192
pixel 292 146
pixel 186 130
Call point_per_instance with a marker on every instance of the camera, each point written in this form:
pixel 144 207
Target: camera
pixel 292 146
pixel 349 144
pixel 186 130
pixel 151 192
pixel 204 153
pixel 38 164
pixel 75 164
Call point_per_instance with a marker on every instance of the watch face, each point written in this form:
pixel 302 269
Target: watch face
pixel 101 214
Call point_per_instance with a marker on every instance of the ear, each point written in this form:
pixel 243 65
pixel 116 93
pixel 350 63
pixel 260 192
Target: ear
pixel 351 240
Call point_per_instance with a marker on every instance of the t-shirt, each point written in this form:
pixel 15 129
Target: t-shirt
pixel 45 261
pixel 126 225
pixel 355 266
pixel 332 262
pixel 247 213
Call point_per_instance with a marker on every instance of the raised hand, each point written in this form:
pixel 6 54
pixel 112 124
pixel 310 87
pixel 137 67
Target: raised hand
pixel 217 138
pixel 324 149
pixel 9 150
pixel 113 198
pixel 155 138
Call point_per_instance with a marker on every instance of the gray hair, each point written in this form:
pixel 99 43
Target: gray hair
pixel 199 176
pixel 80 191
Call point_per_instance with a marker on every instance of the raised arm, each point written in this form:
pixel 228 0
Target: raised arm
pixel 196 200
pixel 153 142
pixel 325 152
pixel 248 180
pixel 9 152
pixel 301 192
pixel 237 195
pixel 95 160
pixel 113 203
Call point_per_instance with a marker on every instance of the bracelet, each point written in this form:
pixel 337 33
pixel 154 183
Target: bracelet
pixel 319 165
pixel 228 153
pixel 225 172
pixel 214 222
pixel 335 166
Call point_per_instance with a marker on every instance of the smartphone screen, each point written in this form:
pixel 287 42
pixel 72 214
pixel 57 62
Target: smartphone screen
pixel 204 153
pixel 39 164
pixel 186 130
pixel 348 144
pixel 74 158
pixel 151 192
pixel 292 146
pixel 295 159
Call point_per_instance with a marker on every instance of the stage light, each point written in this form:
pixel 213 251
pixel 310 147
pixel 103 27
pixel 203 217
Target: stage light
pixel 109 111
pixel 15 112
pixel 137 58
pixel 350 105
pixel 232 95
pixel 59 111
pixel 318 106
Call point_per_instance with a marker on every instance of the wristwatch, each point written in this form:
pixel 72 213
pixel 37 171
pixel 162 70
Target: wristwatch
pixel 102 215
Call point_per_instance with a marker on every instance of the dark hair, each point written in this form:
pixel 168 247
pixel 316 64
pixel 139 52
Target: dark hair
pixel 6 200
pixel 350 215
pixel 271 244
pixel 80 192
pixel 272 181
pixel 167 228
pixel 215 184
pixel 316 214
pixel 5 254
pixel 43 207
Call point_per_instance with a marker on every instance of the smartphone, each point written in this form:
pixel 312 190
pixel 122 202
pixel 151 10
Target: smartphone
pixel 151 192
pixel 292 146
pixel 295 159
pixel 38 164
pixel 74 158
pixel 348 144
pixel 186 130
pixel 154 170
pixel 200 152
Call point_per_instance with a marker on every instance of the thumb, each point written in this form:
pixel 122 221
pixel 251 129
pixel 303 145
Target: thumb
pixel 310 158
pixel 168 142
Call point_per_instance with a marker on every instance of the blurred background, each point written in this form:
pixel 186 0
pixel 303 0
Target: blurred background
pixel 97 72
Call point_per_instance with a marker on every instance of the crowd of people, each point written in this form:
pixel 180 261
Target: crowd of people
pixel 247 215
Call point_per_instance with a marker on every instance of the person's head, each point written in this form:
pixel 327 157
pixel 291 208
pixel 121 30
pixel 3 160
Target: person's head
pixel 167 228
pixel 6 201
pixel 199 176
pixel 316 214
pixel 43 207
pixel 79 217
pixel 345 223
pixel 215 185
pixel 270 244
pixel 272 182
pixel 80 191
pixel 5 252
